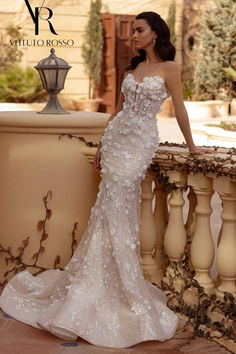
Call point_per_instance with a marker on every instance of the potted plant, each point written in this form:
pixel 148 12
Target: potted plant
pixel 213 87
pixel 92 55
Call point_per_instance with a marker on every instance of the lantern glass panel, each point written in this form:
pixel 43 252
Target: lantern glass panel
pixel 51 78
pixel 61 77
pixel 40 71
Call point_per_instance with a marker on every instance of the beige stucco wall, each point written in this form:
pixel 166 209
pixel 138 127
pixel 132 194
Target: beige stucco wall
pixel 69 20
pixel 34 161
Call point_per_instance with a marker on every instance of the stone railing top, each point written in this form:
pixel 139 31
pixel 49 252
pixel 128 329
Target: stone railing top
pixel 33 119
pixel 172 156
pixel 72 120
pixel 13 120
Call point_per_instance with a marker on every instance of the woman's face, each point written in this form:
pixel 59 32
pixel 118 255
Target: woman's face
pixel 142 34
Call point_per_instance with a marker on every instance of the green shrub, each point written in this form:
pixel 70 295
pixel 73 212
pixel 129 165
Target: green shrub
pixel 231 72
pixel 20 85
pixel 224 125
pixel 187 89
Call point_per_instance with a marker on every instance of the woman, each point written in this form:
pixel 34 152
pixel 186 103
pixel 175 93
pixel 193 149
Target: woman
pixel 102 295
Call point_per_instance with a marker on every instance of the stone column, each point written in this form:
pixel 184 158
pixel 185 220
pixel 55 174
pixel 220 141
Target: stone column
pixel 161 218
pixel 191 220
pixel 175 235
pixel 148 230
pixel 226 252
pixel 202 249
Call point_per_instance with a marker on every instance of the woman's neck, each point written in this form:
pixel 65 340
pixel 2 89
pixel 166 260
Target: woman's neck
pixel 152 57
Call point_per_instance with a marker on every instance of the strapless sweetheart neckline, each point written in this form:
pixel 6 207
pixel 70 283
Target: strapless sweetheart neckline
pixel 148 77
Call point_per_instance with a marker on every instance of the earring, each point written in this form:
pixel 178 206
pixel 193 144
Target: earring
pixel 154 42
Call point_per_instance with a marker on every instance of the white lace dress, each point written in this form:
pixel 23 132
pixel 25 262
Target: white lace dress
pixel 102 295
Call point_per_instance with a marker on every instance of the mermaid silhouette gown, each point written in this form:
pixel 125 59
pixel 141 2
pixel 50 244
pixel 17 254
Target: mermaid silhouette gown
pixel 101 295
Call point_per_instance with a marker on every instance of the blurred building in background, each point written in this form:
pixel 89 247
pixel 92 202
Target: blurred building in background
pixel 69 20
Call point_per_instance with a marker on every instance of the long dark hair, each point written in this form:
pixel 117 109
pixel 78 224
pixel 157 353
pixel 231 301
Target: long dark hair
pixel 163 45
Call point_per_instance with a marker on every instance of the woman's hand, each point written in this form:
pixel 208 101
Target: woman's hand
pixel 97 160
pixel 196 150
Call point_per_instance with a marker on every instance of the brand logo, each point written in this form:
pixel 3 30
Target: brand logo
pixel 35 15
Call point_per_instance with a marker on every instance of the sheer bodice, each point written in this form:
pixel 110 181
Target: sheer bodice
pixel 143 99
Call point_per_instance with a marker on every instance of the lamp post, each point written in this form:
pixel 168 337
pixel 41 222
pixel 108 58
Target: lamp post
pixel 53 71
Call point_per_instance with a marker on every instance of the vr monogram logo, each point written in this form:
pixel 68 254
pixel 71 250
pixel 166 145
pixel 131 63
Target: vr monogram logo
pixel 35 17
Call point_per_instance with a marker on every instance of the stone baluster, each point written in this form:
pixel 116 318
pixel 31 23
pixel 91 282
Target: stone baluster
pixel 191 220
pixel 148 230
pixel 175 235
pixel 220 233
pixel 202 249
pixel 161 217
pixel 226 252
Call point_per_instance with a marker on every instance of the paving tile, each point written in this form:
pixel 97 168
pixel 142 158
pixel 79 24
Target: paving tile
pixel 21 330
pixel 154 347
pixel 196 346
pixel 19 346
pixel 203 345
pixel 214 350
pixel 2 322
pixel 154 350
pixel 92 349
pixel 102 350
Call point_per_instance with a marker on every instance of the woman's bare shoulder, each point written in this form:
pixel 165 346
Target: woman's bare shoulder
pixel 170 65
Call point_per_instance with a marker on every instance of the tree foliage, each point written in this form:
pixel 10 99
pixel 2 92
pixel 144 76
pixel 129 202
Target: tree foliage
pixel 92 46
pixel 10 54
pixel 171 21
pixel 217 51
pixel 17 84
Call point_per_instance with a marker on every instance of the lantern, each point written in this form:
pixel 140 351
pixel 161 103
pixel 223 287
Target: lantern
pixel 53 71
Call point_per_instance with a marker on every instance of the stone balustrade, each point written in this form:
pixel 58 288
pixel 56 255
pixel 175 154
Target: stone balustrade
pixel 165 232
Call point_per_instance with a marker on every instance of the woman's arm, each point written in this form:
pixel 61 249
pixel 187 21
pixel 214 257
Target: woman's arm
pixel 173 82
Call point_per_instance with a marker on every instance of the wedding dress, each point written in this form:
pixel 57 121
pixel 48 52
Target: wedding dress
pixel 101 295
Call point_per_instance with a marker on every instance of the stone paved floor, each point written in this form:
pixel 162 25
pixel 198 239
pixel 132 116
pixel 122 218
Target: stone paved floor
pixel 170 131
pixel 19 338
